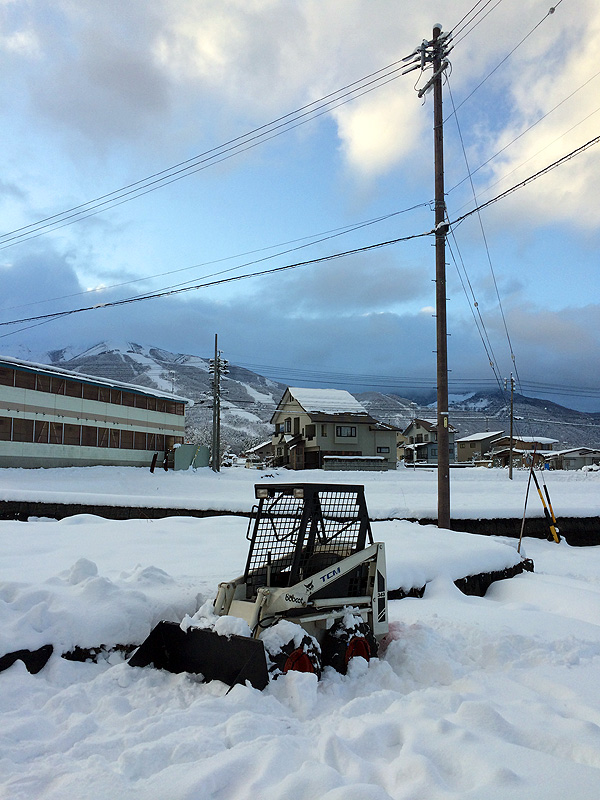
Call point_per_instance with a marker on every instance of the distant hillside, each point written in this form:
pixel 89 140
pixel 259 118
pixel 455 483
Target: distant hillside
pixel 491 411
pixel 250 399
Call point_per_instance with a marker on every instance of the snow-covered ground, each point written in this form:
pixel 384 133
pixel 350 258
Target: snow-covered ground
pixel 493 697
pixel 402 493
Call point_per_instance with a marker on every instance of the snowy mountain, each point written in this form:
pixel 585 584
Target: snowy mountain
pixel 483 411
pixel 248 399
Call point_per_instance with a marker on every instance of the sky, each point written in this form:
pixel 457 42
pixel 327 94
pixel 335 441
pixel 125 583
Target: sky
pixel 98 96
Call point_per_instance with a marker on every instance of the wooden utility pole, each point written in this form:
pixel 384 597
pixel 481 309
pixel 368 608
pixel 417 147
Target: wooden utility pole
pixel 434 53
pixel 441 229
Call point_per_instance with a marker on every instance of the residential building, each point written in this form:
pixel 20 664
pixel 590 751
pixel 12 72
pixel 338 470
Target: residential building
pixel 522 450
pixel 476 446
pixel 330 429
pixel 262 452
pixel 422 447
pixel 575 458
pixel 50 417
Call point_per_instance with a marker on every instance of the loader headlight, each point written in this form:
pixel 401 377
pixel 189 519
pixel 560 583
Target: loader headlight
pixel 261 492
pixel 298 492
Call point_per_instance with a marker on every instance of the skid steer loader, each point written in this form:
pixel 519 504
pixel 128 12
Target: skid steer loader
pixel 313 593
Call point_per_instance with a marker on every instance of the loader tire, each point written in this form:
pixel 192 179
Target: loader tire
pixel 341 644
pixel 305 657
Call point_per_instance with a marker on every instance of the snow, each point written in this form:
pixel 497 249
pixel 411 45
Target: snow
pixel 476 437
pixel 327 401
pixel 406 492
pixel 167 386
pixel 471 697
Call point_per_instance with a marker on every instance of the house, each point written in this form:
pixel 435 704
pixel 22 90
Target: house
pixel 50 417
pixel 522 450
pixel 575 458
pixel 475 446
pixel 421 436
pixel 260 452
pixel 330 429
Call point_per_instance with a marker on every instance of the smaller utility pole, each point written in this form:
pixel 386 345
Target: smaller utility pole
pixel 217 367
pixel 512 397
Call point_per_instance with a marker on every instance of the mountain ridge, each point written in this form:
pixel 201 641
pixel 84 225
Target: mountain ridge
pixel 249 399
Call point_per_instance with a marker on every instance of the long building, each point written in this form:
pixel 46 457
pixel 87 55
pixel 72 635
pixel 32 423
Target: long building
pixel 50 417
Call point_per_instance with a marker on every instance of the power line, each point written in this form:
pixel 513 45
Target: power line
pixel 208 158
pixel 456 29
pixel 530 179
pixel 168 292
pixel 455 222
pixel 520 135
pixel 506 57
pixel 474 24
pixel 325 236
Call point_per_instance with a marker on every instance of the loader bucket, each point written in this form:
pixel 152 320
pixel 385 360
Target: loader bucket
pixel 231 659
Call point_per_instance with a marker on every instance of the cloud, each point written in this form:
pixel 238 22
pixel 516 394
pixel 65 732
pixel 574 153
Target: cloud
pixel 359 283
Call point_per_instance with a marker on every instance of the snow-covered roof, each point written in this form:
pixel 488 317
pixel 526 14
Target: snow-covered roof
pixel 327 401
pixel 476 437
pixel 268 443
pixel 80 376
pixel 538 439
pixel 579 450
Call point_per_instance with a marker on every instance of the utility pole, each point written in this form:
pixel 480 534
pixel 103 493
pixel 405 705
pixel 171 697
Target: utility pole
pixel 434 53
pixel 217 367
pixel 512 397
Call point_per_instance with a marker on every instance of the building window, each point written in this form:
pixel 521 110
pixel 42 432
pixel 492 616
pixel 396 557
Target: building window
pixel 296 426
pixel 324 430
pixel 7 376
pixel 383 449
pixel 72 434
pixel 73 389
pixel 22 430
pixel 89 436
pixel 43 383
pixel 5 429
pixel 127 440
pixel 462 445
pixel 40 431
pixel 471 444
pixel 288 425
pixel 139 440
pixel 25 380
pixel 434 451
pixel 345 431
pixel 57 385
pixel 56 433
pixel 90 392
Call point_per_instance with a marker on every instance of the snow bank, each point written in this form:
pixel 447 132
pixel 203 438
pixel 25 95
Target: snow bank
pixel 471 697
pixel 402 493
